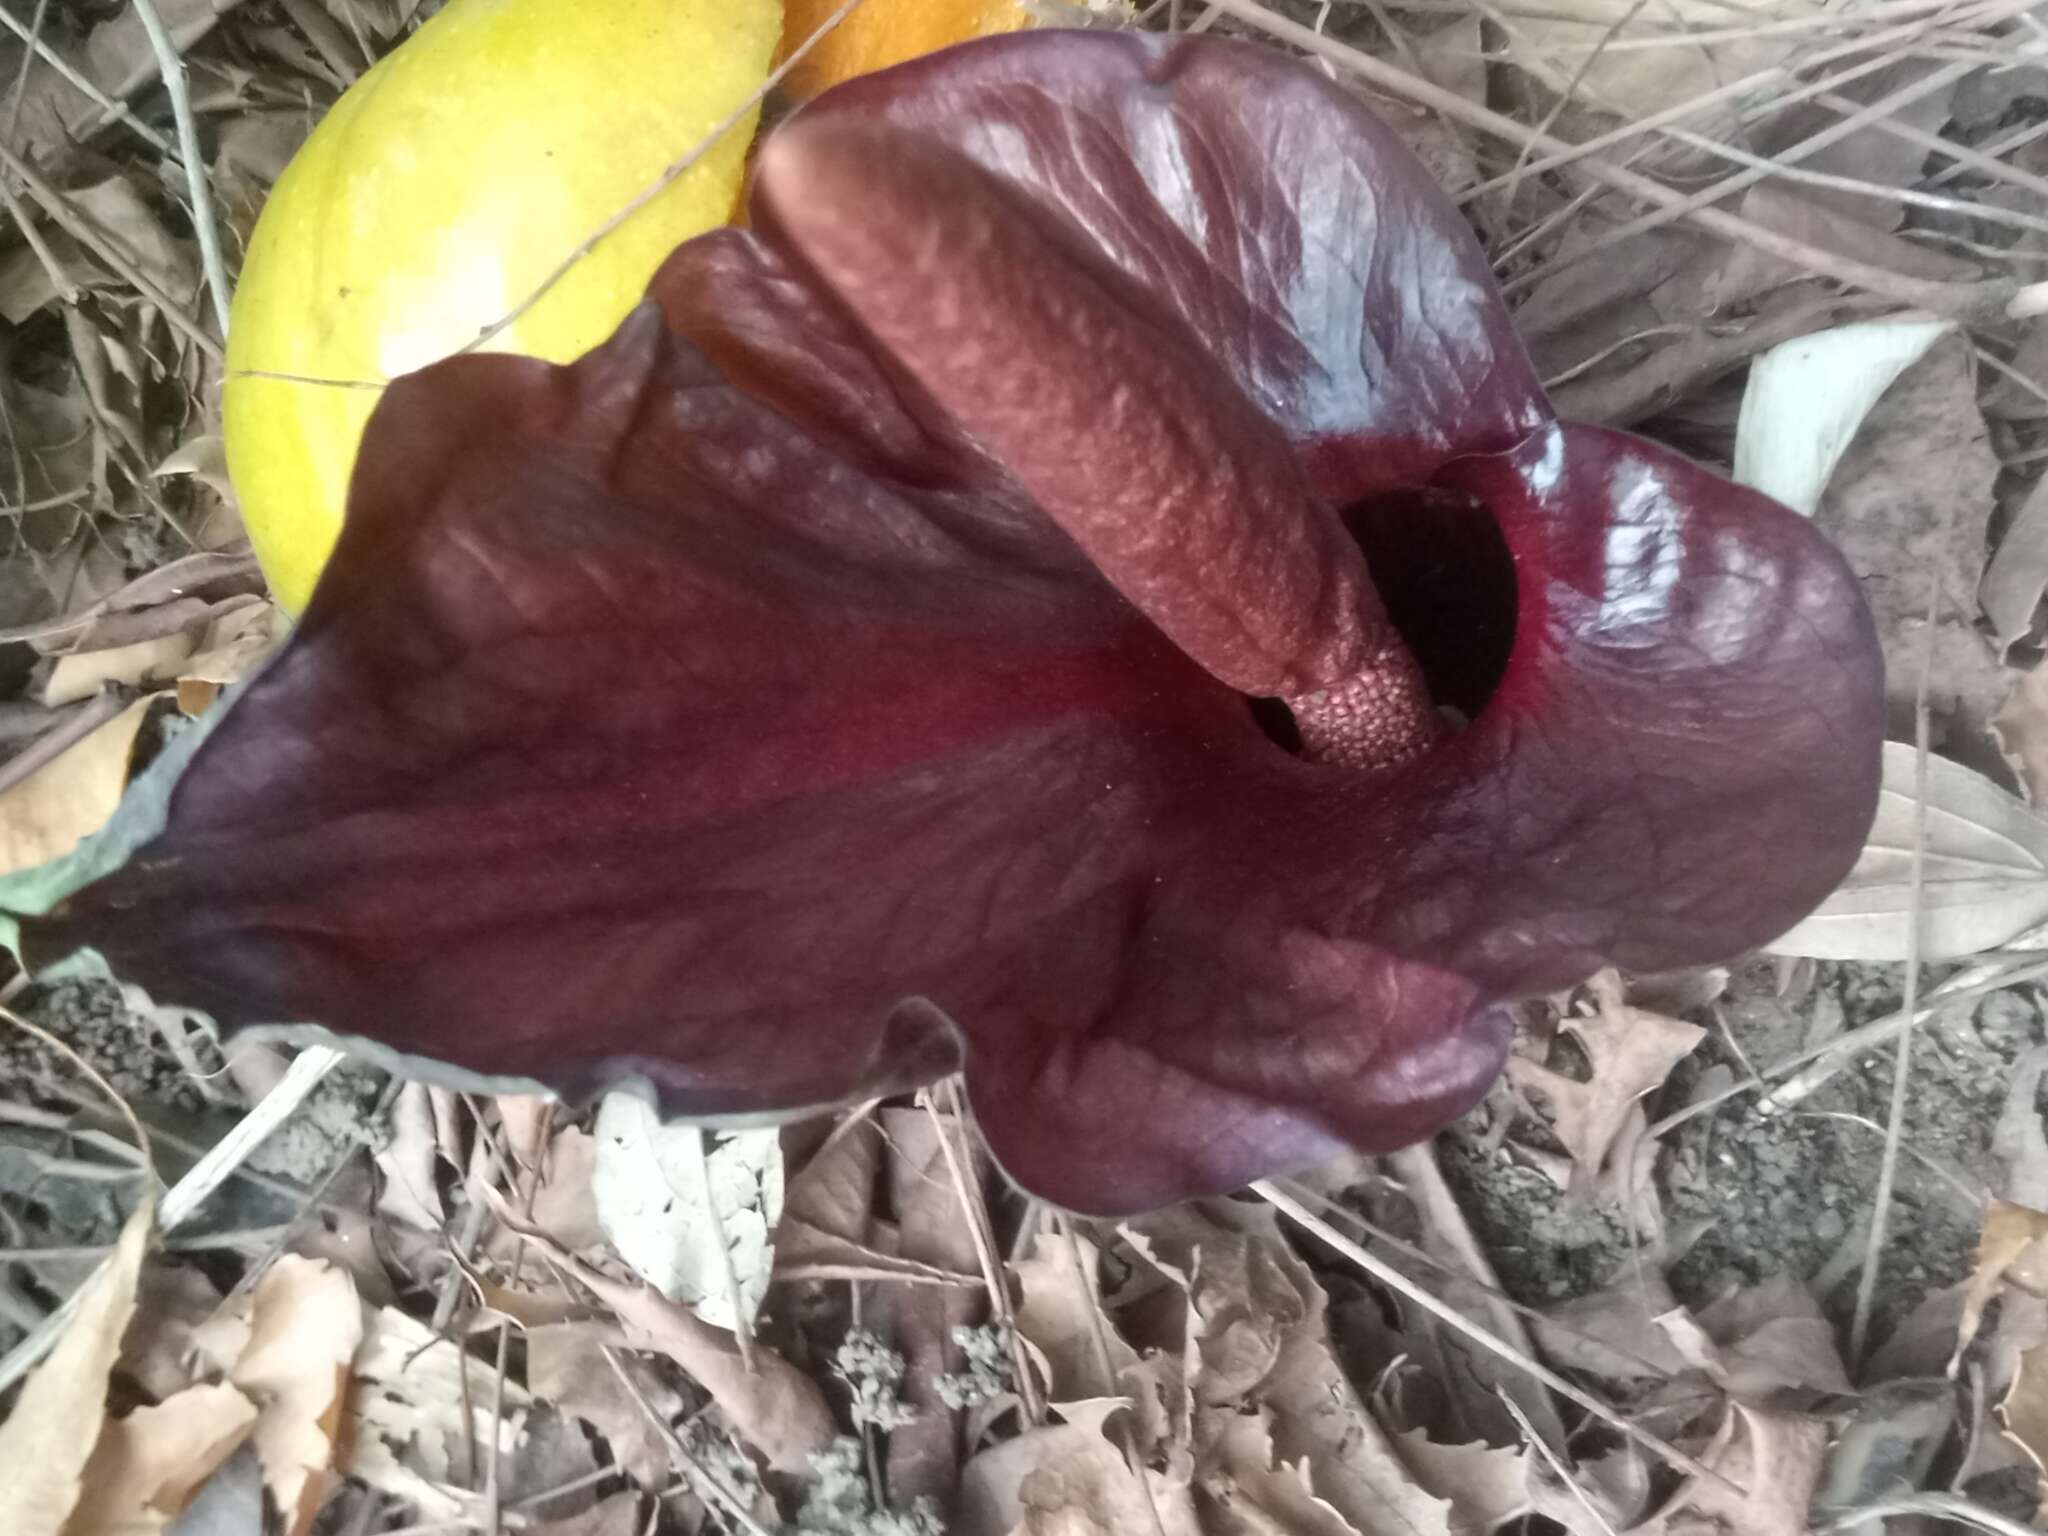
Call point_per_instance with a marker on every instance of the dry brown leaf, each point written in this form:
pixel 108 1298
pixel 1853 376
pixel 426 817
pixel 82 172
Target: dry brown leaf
pixel 562 1203
pixel 775 1407
pixel 304 1325
pixel 2019 1141
pixel 1257 1320
pixel 1793 211
pixel 81 674
pixel 1607 1493
pixel 1613 1332
pixel 1777 1458
pixel 566 1366
pixel 618 1515
pixel 1909 503
pixel 1630 1051
pixel 1485 1485
pixel 1772 1337
pixel 47 1440
pixel 2022 726
pixel 419 1404
pixel 1869 154
pixel 2024 1415
pixel 827 1226
pixel 2012 1249
pixel 934 1226
pixel 148 1466
pixel 802 1252
pixel 1060 1319
pixel 71 796
pixel 118 212
pixel 2017 575
pixel 1556 44
pixel 2010 399
pixel 1888 1440
pixel 1252 1495
pixel 834 1190
pixel 1921 1344
pixel 237 639
pixel 160 1353
pixel 1066 1480
pixel 411 1192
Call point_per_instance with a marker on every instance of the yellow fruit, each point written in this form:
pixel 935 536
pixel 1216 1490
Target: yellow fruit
pixel 885 32
pixel 441 190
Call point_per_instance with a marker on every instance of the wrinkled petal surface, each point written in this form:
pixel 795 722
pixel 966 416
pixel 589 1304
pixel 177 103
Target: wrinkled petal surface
pixel 730 709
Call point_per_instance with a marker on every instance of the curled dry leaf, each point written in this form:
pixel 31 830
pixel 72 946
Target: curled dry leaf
pixel 2018 572
pixel 1253 1493
pixel 774 1407
pixel 1984 877
pixel 44 816
pixel 2022 727
pixel 1806 399
pixel 81 674
pixel 411 1190
pixel 418 1408
pixel 48 1439
pixel 1485 1485
pixel 1257 1336
pixel 936 1197
pixel 1630 1051
pixel 1888 1439
pixel 828 1228
pixel 2012 1249
pixel 1770 1337
pixel 562 1204
pixel 420 1404
pixel 692 1210
pixel 1071 1337
pixel 304 1325
pixel 148 1466
pixel 618 1515
pixel 1774 1459
pixel 566 1365
pixel 1909 506
pixel 2023 1414
pixel 1067 1480
pixel 1572 47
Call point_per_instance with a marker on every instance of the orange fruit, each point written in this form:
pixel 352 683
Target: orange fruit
pixel 885 32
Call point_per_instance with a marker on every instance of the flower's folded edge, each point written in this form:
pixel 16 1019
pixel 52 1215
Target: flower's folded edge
pixel 138 827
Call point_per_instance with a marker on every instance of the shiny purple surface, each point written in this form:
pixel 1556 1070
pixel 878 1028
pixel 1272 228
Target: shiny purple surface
pixel 730 707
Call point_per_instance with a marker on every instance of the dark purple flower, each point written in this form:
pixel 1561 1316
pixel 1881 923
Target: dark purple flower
pixel 988 614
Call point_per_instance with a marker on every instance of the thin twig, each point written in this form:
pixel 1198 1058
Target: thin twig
pixel 1437 1204
pixel 1099 1338
pixel 1979 299
pixel 173 69
pixel 982 1231
pixel 53 744
pixel 742 1316
pixel 1768 82
pixel 701 1477
pixel 1943 1506
pixel 1673 206
pixel 667 178
pixel 1902 1060
pixel 1394 1280
pixel 189 1193
pixel 1557 1468
pixel 113 110
pixel 53 203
